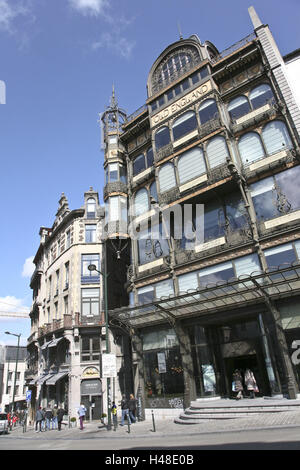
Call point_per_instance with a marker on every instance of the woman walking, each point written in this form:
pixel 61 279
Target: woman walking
pixel 81 413
pixel 250 383
pixel 237 384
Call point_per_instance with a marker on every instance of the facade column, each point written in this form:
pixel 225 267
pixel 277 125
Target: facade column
pixel 138 374
pixel 187 364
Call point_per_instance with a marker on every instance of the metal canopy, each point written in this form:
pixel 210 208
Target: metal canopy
pixel 238 292
pixel 45 345
pixel 55 378
pixel 40 380
pixel 54 342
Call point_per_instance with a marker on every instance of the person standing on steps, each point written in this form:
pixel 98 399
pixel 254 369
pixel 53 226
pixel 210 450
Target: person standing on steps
pixel 250 383
pixel 237 384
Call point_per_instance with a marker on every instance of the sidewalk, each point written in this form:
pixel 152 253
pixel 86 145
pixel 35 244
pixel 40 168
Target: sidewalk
pixel 166 427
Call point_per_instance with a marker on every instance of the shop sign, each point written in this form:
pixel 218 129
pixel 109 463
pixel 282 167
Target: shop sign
pixel 90 372
pixel 91 387
pixel 161 360
pixel 109 365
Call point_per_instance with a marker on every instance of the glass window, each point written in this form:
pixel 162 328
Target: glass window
pixel 177 90
pixel 91 208
pixel 141 202
pixel 250 147
pixel 162 137
pixel 263 196
pixel 217 151
pixel 90 301
pixel 153 191
pixel 208 110
pixel 117 206
pixel 184 125
pixel 161 101
pixel 195 77
pixel 166 177
pixel 153 106
pixel 247 265
pixel 90 233
pixel 214 221
pixel 238 107
pixel 287 183
pixel 185 84
pixel 170 94
pixel 90 348
pixel 113 172
pixel 123 176
pixel 236 212
pixel 149 156
pixel 86 274
pixel 145 294
pixel 280 255
pixel 214 274
pixel 149 246
pixel 191 164
pixel 139 164
pixel 276 137
pixel 204 72
pixel 260 96
pixel 188 281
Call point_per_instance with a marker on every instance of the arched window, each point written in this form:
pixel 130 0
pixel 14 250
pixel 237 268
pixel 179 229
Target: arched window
pixel 184 125
pixel 250 147
pixel 141 202
pixel 166 177
pixel 191 164
pixel 217 151
pixel 238 107
pixel 139 164
pixel 162 137
pixel 91 208
pixel 208 110
pixel 171 69
pixel 276 137
pixel 261 95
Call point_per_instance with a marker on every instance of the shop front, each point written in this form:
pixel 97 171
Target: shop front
pixel 91 393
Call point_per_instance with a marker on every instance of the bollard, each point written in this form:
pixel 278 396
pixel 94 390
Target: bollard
pixel 128 424
pixel 153 421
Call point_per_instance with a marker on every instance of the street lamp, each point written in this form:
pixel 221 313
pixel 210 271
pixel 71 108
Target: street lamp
pixel 16 367
pixel 92 267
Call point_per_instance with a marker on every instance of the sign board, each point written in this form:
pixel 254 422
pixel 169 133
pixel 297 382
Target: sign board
pixel 91 387
pixel 109 365
pixel 28 395
pixel 161 360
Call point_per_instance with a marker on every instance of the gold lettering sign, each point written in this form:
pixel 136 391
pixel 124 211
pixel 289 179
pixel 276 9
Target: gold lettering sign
pixel 181 103
pixel 90 372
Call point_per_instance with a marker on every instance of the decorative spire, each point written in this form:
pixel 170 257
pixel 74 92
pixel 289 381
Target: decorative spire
pixel 113 101
pixel 254 18
pixel 179 30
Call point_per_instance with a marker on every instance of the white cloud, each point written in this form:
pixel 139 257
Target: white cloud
pixel 113 41
pixel 12 304
pixel 28 267
pixel 9 11
pixel 89 7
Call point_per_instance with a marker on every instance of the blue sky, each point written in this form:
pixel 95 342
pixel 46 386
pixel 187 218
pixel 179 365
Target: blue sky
pixel 58 59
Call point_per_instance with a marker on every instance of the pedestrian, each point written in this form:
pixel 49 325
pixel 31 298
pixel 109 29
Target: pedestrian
pixel 237 384
pixel 60 414
pixel 38 419
pixel 48 417
pixel 81 413
pixel 114 413
pixel 132 408
pixel 250 383
pixel 125 410
pixel 54 417
pixel 44 419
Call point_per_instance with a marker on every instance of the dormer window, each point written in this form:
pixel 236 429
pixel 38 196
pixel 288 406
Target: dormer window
pixel 91 208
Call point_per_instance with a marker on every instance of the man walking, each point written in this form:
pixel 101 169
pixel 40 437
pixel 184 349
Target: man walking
pixel 39 416
pixel 125 410
pixel 48 416
pixel 54 417
pixel 60 414
pixel 81 413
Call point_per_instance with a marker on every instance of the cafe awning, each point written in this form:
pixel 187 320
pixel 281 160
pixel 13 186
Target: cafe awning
pixel 40 380
pixel 54 342
pixel 54 378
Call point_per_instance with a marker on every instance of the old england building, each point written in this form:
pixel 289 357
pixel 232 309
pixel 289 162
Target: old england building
pixel 219 131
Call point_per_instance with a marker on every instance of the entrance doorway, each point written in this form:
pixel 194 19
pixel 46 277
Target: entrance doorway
pixel 93 404
pixel 242 363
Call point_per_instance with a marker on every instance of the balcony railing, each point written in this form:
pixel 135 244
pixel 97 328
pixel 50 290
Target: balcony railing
pixel 238 45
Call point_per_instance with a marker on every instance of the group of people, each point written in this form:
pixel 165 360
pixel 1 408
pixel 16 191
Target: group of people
pixel 49 418
pixel 15 417
pixel 238 382
pixel 128 408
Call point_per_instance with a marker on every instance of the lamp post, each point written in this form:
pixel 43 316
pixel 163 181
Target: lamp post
pixel 16 367
pixel 105 275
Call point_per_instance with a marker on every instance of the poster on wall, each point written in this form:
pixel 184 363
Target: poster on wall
pixel 161 360
pixel 209 378
pixel 109 365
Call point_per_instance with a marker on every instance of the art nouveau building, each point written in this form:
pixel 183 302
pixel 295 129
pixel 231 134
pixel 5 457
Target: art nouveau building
pixel 219 130
pixel 67 315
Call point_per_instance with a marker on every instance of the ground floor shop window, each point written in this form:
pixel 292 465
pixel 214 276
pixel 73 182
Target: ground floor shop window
pixel 204 370
pixel 163 370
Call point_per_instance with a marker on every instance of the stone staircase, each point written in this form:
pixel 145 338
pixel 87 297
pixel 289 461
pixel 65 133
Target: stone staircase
pixel 221 409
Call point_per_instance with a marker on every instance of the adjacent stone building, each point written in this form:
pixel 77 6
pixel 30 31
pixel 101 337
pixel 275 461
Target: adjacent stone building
pixel 218 130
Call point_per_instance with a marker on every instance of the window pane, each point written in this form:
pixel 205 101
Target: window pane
pixel 114 208
pixel 260 96
pixel 250 147
pixel 195 77
pixel 90 233
pixel 191 164
pixel 247 265
pixel 139 165
pixel 276 137
pixel 236 213
pixel 188 281
pixel 208 110
pixel 153 191
pixel 162 138
pixel 166 177
pixel 184 125
pixel 113 172
pixel 214 221
pixel 149 157
pixel 221 272
pixel 288 187
pixel 164 288
pixel 217 151
pixel 141 202
pixel 280 255
pixel 123 177
pixel 145 294
pixel 264 199
pixel 238 107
